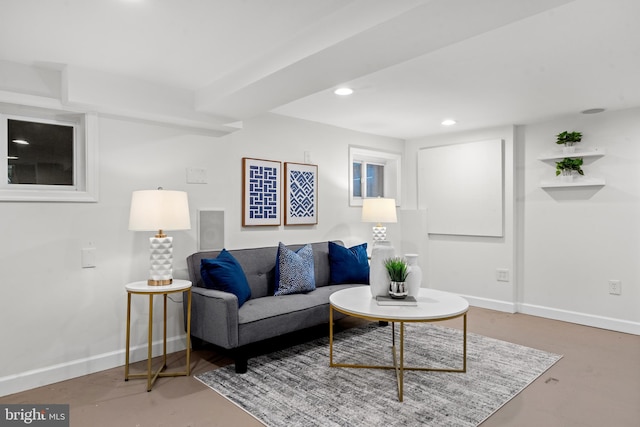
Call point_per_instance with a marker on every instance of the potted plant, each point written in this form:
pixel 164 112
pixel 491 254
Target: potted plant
pixel 568 139
pixel 566 166
pixel 398 270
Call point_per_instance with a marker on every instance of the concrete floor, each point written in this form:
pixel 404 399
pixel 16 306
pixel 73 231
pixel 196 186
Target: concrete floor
pixel 595 384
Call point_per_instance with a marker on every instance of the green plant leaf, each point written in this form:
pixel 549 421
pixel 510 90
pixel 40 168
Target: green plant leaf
pixel 567 137
pixel 397 268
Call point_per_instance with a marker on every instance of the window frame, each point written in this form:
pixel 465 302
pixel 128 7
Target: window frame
pixel 85 182
pixel 392 172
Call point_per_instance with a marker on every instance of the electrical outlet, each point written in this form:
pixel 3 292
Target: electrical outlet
pixel 502 275
pixel 615 287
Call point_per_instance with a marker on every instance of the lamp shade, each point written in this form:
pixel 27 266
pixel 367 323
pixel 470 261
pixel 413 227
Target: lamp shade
pixel 379 210
pixel 153 210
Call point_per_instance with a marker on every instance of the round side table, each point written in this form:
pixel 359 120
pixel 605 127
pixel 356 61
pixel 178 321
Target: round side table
pixel 142 288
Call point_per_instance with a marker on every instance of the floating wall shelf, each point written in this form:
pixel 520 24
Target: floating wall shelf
pixel 580 152
pixel 578 181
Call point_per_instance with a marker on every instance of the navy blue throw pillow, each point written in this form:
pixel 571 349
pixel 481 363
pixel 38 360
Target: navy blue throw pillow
pixel 348 265
pixel 225 274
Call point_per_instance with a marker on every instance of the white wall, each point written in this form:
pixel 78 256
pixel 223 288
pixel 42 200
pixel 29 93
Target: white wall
pixel 466 264
pixel 561 246
pixel 60 321
pixel 577 239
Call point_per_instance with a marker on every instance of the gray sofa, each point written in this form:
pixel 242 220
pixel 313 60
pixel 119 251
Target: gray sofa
pixel 216 318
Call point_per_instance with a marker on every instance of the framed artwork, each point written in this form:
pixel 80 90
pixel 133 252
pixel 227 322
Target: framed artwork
pixel 465 204
pixel 261 184
pixel 301 194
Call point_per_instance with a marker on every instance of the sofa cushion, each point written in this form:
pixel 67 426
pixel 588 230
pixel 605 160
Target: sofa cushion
pixel 294 270
pixel 224 273
pixel 268 317
pixel 348 265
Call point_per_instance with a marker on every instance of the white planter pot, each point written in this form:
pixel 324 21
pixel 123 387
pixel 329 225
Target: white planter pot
pixel 414 279
pixel 566 176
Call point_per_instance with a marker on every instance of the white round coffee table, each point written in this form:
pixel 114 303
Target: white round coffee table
pixel 431 306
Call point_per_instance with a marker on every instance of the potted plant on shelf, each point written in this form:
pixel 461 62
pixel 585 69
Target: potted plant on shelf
pixel 398 270
pixel 566 166
pixel 568 139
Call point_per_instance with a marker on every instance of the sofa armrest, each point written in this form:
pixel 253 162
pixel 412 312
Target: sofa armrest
pixel 214 316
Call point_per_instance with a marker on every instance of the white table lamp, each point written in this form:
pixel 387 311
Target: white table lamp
pixel 159 210
pixel 379 210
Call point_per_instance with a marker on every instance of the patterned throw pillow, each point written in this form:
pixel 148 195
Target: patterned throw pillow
pixel 294 270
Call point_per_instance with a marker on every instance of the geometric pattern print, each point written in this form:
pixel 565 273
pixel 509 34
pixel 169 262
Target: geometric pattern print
pixel 263 192
pixel 301 194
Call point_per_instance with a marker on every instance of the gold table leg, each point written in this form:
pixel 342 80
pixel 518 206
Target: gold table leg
pixel 398 360
pixel 126 362
pixel 464 345
pixel 149 342
pixel 188 332
pixel 164 335
pixel 331 335
pixel 150 375
pixel 398 365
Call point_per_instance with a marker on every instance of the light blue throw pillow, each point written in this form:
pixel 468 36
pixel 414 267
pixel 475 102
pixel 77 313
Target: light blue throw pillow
pixel 294 270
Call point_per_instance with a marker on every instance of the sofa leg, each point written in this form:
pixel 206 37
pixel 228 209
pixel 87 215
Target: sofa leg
pixel 241 364
pixel 196 343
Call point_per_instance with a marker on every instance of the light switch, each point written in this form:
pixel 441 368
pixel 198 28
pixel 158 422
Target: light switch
pixel 196 176
pixel 88 257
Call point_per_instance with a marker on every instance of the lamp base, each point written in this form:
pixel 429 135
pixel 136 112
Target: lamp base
pixel 165 282
pixel 379 233
pixel 161 257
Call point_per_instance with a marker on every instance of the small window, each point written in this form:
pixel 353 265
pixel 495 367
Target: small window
pixel 372 184
pixel 375 180
pixel 373 174
pixel 357 179
pixel 49 155
pixel 40 153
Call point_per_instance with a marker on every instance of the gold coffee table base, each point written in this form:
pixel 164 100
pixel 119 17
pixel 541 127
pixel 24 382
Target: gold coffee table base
pixel 398 360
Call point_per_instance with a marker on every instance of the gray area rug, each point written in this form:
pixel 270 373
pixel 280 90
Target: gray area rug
pixel 296 387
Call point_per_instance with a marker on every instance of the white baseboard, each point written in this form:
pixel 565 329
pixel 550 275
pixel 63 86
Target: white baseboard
pixel 601 322
pixel 491 304
pixel 76 368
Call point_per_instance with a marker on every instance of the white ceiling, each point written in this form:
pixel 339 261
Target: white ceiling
pixel 411 63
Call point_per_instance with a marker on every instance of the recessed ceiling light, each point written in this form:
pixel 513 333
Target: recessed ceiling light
pixel 20 141
pixel 593 111
pixel 448 122
pixel 343 91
